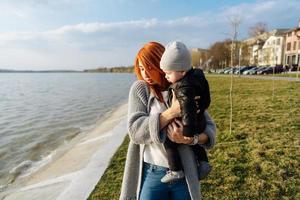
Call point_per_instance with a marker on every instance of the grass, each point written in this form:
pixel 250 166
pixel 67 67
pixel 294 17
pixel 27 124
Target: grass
pixel 260 159
pixel 290 75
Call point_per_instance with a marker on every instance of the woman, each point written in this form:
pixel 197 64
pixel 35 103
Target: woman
pixel 149 123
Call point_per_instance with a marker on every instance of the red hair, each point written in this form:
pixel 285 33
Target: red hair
pixel 150 56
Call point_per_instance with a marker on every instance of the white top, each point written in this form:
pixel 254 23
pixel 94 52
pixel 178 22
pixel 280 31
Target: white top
pixel 156 153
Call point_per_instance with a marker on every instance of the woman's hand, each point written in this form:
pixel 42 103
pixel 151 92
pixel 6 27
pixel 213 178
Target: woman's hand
pixel 175 107
pixel 174 131
pixel 203 138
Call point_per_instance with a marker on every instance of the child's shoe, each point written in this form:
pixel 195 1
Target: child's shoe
pixel 172 176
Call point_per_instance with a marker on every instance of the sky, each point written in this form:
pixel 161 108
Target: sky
pixel 86 34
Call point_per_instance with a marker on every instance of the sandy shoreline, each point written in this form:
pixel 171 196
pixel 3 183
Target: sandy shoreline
pixel 74 174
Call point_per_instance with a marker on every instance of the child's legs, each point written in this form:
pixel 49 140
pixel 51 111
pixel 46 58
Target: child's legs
pixel 188 131
pixel 200 153
pixel 173 155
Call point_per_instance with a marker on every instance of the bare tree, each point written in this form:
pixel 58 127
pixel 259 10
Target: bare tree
pixel 195 58
pixel 199 58
pixel 245 57
pixel 234 23
pixel 220 53
pixel 258 29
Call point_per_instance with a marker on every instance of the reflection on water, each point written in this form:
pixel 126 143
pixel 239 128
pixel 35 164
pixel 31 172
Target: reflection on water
pixel 41 111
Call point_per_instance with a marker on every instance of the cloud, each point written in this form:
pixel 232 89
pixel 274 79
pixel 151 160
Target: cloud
pixel 81 45
pixel 10 11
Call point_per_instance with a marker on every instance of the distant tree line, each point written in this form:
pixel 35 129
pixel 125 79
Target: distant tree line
pixel 218 55
pixel 128 69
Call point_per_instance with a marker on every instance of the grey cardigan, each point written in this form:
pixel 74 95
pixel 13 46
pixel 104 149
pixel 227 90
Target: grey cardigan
pixel 144 129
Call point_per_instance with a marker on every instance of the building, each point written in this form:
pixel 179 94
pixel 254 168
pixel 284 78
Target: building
pixel 292 47
pixel 255 45
pixel 272 52
pixel 199 57
pixel 267 49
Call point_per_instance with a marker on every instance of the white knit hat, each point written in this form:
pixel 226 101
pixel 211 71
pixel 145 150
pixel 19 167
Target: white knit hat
pixel 176 57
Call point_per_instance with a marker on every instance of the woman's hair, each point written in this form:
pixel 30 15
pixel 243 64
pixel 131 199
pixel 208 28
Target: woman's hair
pixel 150 56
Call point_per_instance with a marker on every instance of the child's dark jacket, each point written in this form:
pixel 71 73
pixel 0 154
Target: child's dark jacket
pixel 192 92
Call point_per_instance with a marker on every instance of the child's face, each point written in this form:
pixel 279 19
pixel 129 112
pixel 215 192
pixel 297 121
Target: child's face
pixel 174 76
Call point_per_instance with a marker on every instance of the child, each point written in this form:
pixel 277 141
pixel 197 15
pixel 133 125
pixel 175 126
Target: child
pixel 192 91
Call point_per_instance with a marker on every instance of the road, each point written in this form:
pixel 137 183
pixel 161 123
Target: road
pixel 257 77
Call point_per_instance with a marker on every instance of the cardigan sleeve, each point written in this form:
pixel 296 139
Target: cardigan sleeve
pixel 210 131
pixel 142 127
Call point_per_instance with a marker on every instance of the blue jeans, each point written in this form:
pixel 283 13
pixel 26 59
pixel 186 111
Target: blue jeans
pixel 154 189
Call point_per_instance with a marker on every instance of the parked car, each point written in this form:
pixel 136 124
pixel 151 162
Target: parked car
pixel 227 71
pixel 260 69
pixel 293 68
pixel 239 70
pixel 219 71
pixel 245 69
pixel 268 70
pixel 279 69
pixel 222 71
pixel 255 70
pixel 250 71
pixel 245 72
pixel 235 69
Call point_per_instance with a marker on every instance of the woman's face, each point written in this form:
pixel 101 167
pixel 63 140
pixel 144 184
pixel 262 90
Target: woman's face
pixel 145 75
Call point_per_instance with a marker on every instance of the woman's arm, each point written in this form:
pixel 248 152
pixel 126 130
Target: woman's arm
pixel 142 127
pixel 210 131
pixel 203 138
pixel 168 115
pixel 175 133
pixel 138 117
pixel 206 139
pixel 165 118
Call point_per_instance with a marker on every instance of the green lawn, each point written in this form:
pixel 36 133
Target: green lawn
pixel 289 75
pixel 293 75
pixel 260 159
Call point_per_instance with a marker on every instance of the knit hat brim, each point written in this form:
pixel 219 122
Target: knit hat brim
pixel 176 57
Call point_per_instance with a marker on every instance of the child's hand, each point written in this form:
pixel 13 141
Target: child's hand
pixel 174 131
